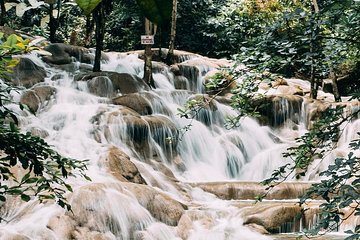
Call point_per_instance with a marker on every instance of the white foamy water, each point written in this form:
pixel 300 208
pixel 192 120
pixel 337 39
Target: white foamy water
pixel 83 126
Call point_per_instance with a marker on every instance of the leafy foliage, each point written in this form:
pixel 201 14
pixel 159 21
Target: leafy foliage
pixel 43 169
pixel 157 11
pixel 88 6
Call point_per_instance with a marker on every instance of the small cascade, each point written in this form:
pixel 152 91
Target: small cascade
pixel 156 175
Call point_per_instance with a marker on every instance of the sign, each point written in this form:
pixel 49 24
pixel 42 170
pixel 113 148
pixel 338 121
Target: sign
pixel 147 39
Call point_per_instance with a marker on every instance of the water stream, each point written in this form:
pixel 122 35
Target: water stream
pixel 82 125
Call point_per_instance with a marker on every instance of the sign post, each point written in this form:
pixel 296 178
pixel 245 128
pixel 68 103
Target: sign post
pixel 147 39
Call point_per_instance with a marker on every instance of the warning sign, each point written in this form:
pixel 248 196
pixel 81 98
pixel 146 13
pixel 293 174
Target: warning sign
pixel 147 39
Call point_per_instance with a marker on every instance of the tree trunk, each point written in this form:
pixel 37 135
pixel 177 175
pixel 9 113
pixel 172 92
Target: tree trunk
pixel 314 82
pixel 335 89
pixel 3 15
pixel 52 23
pixel 148 78
pixel 170 55
pixel 99 35
pixel 89 28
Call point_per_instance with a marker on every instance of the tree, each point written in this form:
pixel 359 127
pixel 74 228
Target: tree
pixel 170 55
pixel 98 8
pixel 44 170
pixel 159 13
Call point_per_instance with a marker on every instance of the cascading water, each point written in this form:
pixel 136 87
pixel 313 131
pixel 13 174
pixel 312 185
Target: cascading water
pixel 85 126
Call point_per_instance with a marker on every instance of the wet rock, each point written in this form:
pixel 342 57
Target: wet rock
pixel 37 97
pixel 123 83
pixel 165 209
pixel 181 82
pixel 184 227
pixel 164 132
pixel 83 233
pixel 136 102
pixel 279 108
pixel 271 217
pixel 159 67
pixel 226 82
pixel 175 70
pixel 7 235
pixel 121 167
pixel 161 206
pixel 31 99
pixel 44 92
pixel 39 132
pixel 62 225
pixel 257 228
pixel 101 86
pixel 65 54
pixel 249 190
pixel 206 107
pixel 26 73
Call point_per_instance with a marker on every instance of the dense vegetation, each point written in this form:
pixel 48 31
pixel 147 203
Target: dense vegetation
pixel 315 40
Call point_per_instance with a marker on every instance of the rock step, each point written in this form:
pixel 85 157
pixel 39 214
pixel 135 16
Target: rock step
pixel 250 190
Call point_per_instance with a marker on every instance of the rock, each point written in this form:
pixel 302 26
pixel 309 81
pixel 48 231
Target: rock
pixel 225 85
pixel 257 228
pixel 121 167
pixel 137 129
pixel 161 206
pixel 62 225
pixel 278 82
pixel 279 108
pixel 122 82
pixel 165 209
pixel 271 217
pixel 101 86
pixel 175 70
pixel 164 132
pixel 44 92
pixel 249 190
pixel 184 227
pixel 39 132
pixel 31 99
pixel 91 204
pixel 181 82
pixel 7 31
pixel 159 67
pixel 83 233
pixel 26 73
pixel 136 102
pixel 64 54
pixel 36 97
pixel 207 108
pixel 7 235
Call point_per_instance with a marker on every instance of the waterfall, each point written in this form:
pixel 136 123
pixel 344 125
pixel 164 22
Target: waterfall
pixel 179 184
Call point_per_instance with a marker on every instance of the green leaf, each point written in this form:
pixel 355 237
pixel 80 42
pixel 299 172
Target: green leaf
pixel 88 5
pixel 2 198
pixel 25 197
pixel 157 11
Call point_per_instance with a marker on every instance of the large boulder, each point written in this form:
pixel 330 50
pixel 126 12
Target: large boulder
pixel 280 108
pixel 164 132
pixel 205 106
pixel 226 82
pixel 121 167
pixel 123 83
pixel 273 217
pixel 64 54
pixel 136 102
pixel 37 97
pixel 26 73
pixel 101 86
pixel 98 201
